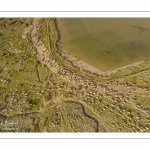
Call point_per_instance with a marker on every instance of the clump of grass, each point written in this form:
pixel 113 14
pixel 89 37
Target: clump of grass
pixel 35 103
pixel 1 34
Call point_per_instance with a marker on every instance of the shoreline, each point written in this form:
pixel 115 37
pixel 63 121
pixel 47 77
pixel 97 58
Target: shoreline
pixel 83 66
pixel 82 88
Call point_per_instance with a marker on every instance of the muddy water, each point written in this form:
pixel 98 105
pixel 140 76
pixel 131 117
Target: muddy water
pixel 106 43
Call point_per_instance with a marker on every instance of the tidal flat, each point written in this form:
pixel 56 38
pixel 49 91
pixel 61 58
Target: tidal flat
pixel 106 43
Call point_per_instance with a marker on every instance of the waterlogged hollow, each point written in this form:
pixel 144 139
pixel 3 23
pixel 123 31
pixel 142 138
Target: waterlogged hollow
pixel 106 43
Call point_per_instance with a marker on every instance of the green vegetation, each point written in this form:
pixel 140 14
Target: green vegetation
pixel 35 99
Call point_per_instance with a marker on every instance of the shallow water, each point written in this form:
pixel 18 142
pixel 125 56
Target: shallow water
pixel 106 43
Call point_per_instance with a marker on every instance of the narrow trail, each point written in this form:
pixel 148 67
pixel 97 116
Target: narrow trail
pixel 38 75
